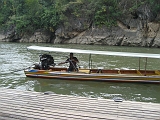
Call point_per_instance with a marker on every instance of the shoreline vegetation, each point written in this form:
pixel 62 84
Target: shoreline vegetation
pixel 92 22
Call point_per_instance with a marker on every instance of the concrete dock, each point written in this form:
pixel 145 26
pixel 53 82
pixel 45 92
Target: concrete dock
pixel 27 105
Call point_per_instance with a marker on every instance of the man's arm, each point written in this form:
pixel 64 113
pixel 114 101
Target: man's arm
pixel 64 62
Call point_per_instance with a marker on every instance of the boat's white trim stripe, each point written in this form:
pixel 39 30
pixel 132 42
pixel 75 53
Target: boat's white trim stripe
pixel 53 49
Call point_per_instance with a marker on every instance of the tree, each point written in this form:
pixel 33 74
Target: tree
pixel 29 15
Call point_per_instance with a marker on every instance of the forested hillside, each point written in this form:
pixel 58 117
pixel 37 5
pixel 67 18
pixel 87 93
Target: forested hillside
pixel 23 17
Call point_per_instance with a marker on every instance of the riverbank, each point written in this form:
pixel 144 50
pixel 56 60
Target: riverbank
pixel 126 24
pixel 116 36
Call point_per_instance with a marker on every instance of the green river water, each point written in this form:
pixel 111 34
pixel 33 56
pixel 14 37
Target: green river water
pixel 14 57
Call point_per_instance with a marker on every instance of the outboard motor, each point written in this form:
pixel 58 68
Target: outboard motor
pixel 45 61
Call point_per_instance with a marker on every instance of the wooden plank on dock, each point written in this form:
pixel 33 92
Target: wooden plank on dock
pixel 27 105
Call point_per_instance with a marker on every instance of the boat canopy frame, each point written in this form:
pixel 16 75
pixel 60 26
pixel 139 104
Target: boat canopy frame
pixel 110 53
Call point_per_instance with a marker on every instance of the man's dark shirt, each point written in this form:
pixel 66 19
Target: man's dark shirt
pixel 72 64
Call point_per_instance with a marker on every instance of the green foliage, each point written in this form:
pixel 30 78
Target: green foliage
pixel 49 19
pixel 155 4
pixel 5 12
pixel 106 12
pixel 29 15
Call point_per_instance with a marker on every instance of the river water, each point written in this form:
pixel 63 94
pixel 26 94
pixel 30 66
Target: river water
pixel 14 57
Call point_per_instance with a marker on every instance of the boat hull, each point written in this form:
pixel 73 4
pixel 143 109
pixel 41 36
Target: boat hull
pixel 97 75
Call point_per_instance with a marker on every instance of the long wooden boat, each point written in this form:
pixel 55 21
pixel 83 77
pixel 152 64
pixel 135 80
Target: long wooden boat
pixel 99 74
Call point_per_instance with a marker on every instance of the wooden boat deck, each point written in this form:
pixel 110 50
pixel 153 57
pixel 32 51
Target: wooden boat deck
pixel 26 105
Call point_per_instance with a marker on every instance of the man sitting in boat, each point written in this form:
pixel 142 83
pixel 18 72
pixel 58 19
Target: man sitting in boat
pixel 72 63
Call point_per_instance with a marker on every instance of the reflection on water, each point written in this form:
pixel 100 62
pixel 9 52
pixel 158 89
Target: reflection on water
pixel 14 57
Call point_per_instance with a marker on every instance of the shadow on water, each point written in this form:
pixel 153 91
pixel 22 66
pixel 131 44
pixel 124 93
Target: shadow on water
pixel 106 90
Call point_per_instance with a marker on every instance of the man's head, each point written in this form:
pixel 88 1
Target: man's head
pixel 71 54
